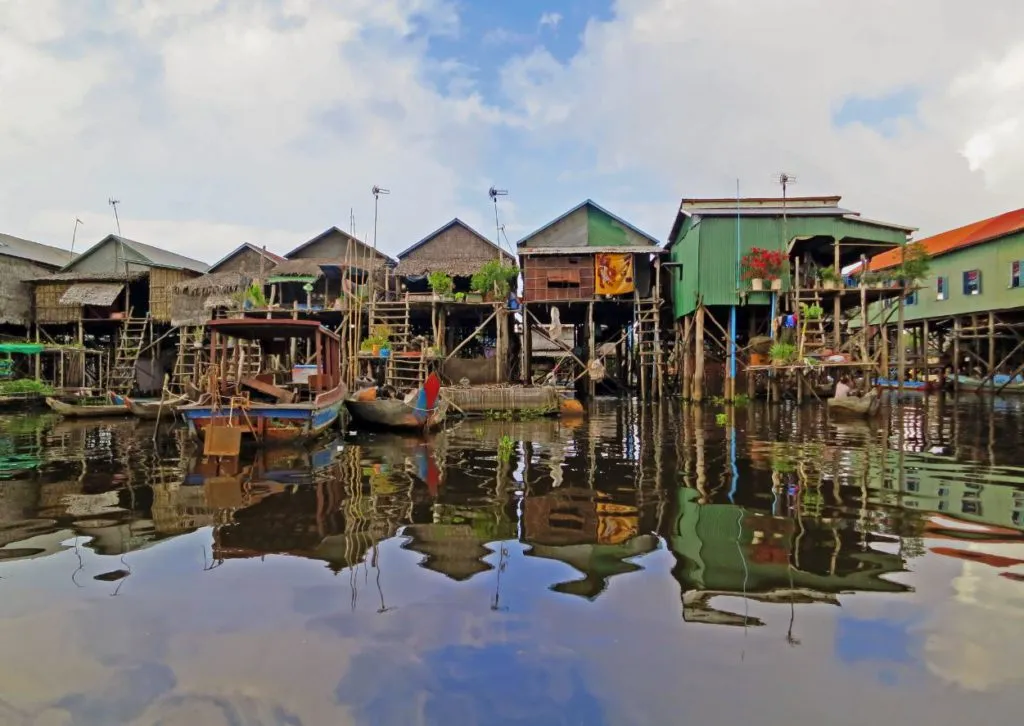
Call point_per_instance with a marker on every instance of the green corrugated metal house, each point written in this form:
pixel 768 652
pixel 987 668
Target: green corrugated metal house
pixel 710 236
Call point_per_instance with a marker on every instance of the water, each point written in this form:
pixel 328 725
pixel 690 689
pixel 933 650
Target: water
pixel 647 565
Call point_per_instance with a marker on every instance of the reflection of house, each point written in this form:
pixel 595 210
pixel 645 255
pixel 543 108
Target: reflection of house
pixel 724 549
pixel 454 544
pixel 588 531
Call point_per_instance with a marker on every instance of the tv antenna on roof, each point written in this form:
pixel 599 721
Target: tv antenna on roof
pixel 377 191
pixel 494 194
pixel 113 203
pixel 74 233
pixel 784 180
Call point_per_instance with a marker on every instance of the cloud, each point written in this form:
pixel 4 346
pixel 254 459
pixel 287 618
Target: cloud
pixel 550 20
pixel 218 120
pixel 684 96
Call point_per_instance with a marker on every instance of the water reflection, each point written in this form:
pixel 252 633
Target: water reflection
pixel 501 551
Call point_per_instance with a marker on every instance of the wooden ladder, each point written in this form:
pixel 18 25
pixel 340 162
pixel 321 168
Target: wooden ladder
pixel 812 332
pixel 401 372
pixel 189 359
pixel 130 342
pixel 647 334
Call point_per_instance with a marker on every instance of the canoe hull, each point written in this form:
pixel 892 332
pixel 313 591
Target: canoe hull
pixel 149 409
pixel 392 414
pixel 865 406
pixel 71 410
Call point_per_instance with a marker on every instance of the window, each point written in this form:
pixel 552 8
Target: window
pixel 912 298
pixel 941 288
pixel 972 282
pixel 1015 273
pixel 563 278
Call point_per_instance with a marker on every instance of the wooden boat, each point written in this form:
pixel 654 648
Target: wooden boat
pixel 867 405
pixel 998 383
pixel 421 410
pixel 259 406
pixel 922 386
pixel 150 408
pixel 89 407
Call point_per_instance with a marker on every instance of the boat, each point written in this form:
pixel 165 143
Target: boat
pixel 866 405
pixel 261 406
pixel 421 410
pixel 922 386
pixel 996 384
pixel 152 408
pixel 88 407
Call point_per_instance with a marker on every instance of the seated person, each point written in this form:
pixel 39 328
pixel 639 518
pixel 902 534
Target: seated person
pixel 843 388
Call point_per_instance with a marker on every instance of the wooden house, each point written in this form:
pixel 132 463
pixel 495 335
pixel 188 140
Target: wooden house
pixel 117 278
pixel 322 273
pixel 587 254
pixel 456 248
pixel 602 276
pixel 21 260
pixel 196 300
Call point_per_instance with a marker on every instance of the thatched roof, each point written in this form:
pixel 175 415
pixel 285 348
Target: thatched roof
pixel 313 267
pixel 454 265
pixel 90 277
pixel 92 293
pixel 215 283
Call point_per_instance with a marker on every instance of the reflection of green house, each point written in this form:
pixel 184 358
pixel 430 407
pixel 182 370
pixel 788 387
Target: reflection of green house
pixel 597 562
pixel 724 549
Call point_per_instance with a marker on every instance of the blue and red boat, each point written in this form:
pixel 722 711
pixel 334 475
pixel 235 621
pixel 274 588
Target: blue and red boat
pixel 421 410
pixel 261 405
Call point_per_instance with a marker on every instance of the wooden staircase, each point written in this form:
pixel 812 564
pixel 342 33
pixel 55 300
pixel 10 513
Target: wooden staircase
pixel 813 335
pixel 131 339
pixel 401 372
pixel 647 338
pixel 188 363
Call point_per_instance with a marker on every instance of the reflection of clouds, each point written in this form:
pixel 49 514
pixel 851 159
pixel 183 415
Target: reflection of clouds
pixel 975 635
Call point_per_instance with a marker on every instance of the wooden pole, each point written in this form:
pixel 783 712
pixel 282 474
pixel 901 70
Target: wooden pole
pixel 591 347
pixel 698 362
pixel 837 309
pixel 991 343
pixel 658 360
pixel 687 357
pixel 526 348
pixel 730 380
pixel 956 355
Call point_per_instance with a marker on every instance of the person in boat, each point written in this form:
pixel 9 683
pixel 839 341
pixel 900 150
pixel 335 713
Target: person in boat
pixel 843 388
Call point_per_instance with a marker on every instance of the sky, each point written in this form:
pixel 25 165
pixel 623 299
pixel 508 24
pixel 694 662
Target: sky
pixel 215 122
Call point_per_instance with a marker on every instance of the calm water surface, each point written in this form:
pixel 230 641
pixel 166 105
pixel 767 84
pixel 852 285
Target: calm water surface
pixel 646 565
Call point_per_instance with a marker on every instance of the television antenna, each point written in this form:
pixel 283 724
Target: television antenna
pixel 113 203
pixel 494 194
pixel 74 233
pixel 784 179
pixel 377 191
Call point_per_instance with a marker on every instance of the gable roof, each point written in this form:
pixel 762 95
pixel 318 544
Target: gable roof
pixel 824 206
pixel 270 256
pixel 445 228
pixel 955 239
pixel 24 249
pixel 593 205
pixel 154 256
pixel 335 230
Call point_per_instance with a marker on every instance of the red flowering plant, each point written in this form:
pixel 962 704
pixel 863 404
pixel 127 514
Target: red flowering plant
pixel 762 264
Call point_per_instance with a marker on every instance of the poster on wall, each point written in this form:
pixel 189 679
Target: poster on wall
pixel 613 273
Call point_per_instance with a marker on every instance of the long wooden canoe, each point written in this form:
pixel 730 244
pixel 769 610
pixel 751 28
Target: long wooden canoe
pixel 865 406
pixel 150 408
pixel 87 409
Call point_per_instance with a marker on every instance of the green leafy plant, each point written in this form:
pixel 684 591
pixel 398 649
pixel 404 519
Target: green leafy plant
pixel 24 385
pixel 829 274
pixel 813 312
pixel 782 353
pixel 721 419
pixel 440 282
pixel 494 276
pixel 505 448
pixel 380 337
pixel 916 264
pixel 256 296
pixel 460 297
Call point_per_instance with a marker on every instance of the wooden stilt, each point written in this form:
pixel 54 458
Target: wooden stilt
pixel 687 357
pixel 592 348
pixel 751 332
pixel 730 379
pixel 991 343
pixel 956 355
pixel 698 356
pixel 527 348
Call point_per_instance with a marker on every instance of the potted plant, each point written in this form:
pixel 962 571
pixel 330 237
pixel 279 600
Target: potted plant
pixel 813 312
pixel 460 297
pixel 441 283
pixel 881 279
pixel 761 264
pixel 378 341
pixel 782 353
pixel 830 278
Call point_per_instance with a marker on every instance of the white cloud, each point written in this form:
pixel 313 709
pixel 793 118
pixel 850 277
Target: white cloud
pixel 550 20
pixel 684 96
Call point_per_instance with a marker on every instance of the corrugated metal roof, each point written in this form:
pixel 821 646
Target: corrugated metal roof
pixel 92 293
pixel 155 256
pixel 581 251
pixel 581 205
pixel 975 233
pixel 27 250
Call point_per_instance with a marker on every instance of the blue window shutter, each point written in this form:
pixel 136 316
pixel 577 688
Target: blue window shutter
pixel 966 290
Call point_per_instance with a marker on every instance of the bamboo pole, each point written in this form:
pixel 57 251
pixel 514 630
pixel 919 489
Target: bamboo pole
pixel 687 358
pixel 992 344
pixel 658 362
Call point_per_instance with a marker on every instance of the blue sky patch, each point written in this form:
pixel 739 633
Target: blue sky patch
pixel 881 113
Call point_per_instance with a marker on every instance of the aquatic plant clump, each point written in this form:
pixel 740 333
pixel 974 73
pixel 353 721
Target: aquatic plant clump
pixel 24 385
